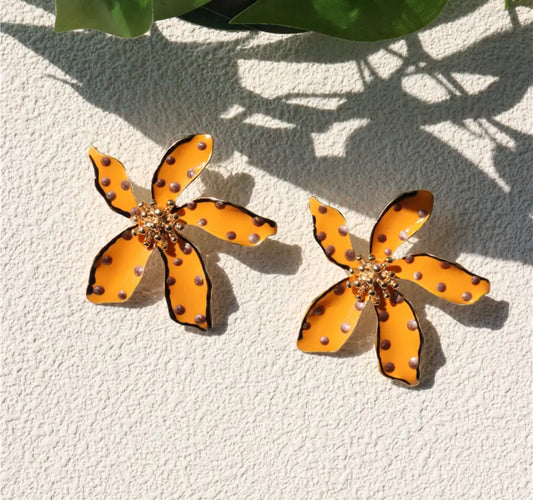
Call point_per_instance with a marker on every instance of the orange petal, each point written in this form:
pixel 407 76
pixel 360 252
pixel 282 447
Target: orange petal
pixel 331 234
pixel 187 286
pixel 180 165
pixel 402 218
pixel 227 221
pixel 330 320
pixel 399 340
pixel 117 269
pixel 112 182
pixel 442 278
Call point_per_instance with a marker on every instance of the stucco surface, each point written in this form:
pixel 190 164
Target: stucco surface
pixel 121 403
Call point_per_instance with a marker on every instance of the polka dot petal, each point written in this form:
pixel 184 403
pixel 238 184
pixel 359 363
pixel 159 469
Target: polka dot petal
pixel 397 344
pixel 333 315
pixel 110 177
pixel 331 234
pixel 112 269
pixel 182 294
pixel 402 218
pixel 180 165
pixel 243 227
pixel 442 278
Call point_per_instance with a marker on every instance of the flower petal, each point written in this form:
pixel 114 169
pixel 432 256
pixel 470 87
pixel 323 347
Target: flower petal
pixel 330 320
pixel 227 221
pixel 112 182
pixel 180 165
pixel 187 285
pixel 399 340
pixel 331 234
pixel 442 278
pixel 117 269
pixel 402 218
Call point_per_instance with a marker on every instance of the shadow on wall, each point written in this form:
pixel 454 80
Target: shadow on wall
pixel 389 150
pixel 388 139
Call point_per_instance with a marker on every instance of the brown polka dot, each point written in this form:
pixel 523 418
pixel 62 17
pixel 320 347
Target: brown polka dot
pixel 122 295
pixel 409 259
pixel 397 207
pixel 202 146
pixel 397 298
pixel 98 290
pixel 138 270
pixel 220 205
pixel 111 195
pixel 441 287
pixel 467 296
pixel 382 238
pixel 321 236
pixel 192 205
pixel 258 221
pixel 105 161
pixel 105 181
pixel 125 185
pixel 339 288
pixel 135 211
pixel 385 344
pixel 345 328
pixel 324 340
pixel 412 325
pixel 174 187
pixel 359 305
pixel 160 182
pixel 254 238
pixel 413 363
pixel 389 367
pixel 388 252
pixel 179 310
pixel 170 160
pixel 350 255
pixel 422 213
pixel 177 262
pixel 191 173
pixel 330 250
pixel 171 281
pixel 475 280
pixel 186 248
pixel 322 209
pixel 417 275
pixel 107 259
pixel 127 235
pixel 202 222
pixel 343 230
pixel 403 235
pixel 231 235
pixel 318 311
pixel 306 325
pixel 383 316
pixel 445 265
pixel 198 280
pixel 199 319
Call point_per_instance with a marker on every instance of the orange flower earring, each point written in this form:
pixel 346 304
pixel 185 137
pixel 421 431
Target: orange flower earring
pixel 332 316
pixel 119 266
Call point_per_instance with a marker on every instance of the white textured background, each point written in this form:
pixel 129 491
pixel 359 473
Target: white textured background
pixel 120 402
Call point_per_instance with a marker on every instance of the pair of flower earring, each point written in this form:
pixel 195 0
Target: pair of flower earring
pixel 328 323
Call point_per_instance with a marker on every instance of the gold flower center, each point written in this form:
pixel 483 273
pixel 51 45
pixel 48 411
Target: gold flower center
pixel 159 226
pixel 372 278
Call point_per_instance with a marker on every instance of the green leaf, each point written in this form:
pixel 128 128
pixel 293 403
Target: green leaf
pixel 164 9
pixel 126 18
pixel 358 20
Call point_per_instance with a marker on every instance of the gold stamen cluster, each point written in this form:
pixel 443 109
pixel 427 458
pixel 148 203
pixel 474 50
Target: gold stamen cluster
pixel 158 226
pixel 372 278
